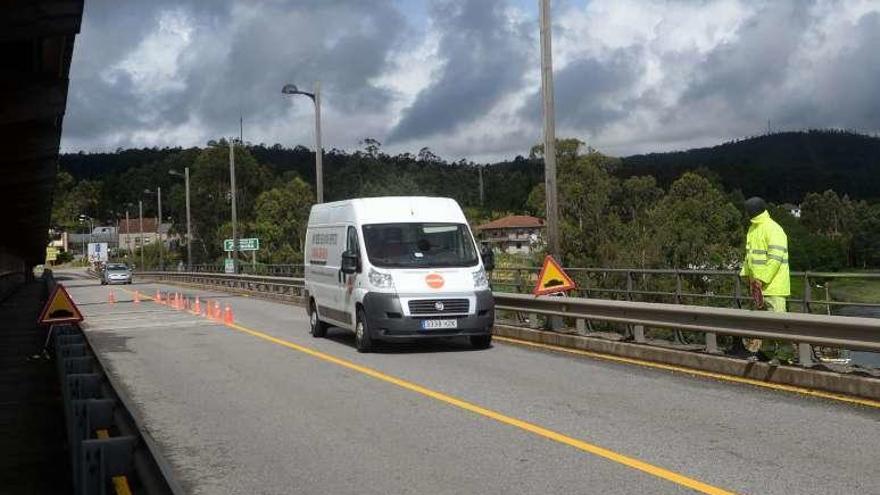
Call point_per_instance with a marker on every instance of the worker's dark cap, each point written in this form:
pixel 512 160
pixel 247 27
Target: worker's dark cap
pixel 755 206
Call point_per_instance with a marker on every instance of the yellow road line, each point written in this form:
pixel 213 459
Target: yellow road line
pixel 120 483
pixel 691 371
pixel 501 418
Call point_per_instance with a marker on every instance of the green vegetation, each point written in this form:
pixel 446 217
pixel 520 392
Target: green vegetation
pixel 682 211
pixel 855 290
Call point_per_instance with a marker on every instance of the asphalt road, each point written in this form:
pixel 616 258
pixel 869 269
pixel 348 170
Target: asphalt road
pixel 265 408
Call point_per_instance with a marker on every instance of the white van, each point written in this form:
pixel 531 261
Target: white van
pixel 396 268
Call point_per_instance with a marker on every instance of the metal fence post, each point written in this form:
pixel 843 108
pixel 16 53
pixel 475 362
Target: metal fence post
pixel 805 351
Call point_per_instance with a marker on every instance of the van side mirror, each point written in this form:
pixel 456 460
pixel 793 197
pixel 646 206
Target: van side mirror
pixel 488 264
pixel 350 262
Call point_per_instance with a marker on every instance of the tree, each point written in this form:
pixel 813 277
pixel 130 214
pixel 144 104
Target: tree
pixel 697 227
pixel 211 198
pixel 282 215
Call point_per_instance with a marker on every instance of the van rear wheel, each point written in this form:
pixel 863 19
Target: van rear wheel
pixel 362 339
pixel 481 341
pixel 317 328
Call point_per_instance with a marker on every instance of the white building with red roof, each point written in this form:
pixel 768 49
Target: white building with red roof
pixel 514 234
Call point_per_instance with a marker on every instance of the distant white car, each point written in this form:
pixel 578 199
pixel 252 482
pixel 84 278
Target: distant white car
pixel 116 273
pixel 396 268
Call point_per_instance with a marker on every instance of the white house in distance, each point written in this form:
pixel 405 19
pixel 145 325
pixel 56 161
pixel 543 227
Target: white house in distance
pixel 514 234
pixel 130 236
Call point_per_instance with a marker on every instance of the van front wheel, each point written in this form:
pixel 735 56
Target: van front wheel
pixel 317 328
pixel 362 339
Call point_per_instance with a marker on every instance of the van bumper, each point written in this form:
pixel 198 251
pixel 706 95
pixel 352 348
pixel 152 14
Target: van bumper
pixel 386 321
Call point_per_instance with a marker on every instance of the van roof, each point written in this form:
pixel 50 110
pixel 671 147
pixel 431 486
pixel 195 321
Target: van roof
pixel 389 209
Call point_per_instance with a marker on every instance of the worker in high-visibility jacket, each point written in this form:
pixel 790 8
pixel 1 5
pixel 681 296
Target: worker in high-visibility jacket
pixel 766 263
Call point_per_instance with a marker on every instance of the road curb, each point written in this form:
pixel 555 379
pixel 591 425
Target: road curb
pixel 857 386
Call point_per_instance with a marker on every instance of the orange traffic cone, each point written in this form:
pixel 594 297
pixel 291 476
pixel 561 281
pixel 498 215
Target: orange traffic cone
pixel 197 307
pixel 111 298
pixel 158 298
pixel 217 313
pixel 228 317
pixel 137 297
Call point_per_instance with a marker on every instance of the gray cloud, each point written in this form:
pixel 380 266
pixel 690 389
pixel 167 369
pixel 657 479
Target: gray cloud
pixel 484 57
pixel 592 93
pixel 689 80
pixel 237 58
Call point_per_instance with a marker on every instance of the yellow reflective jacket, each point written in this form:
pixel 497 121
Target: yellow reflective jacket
pixel 767 256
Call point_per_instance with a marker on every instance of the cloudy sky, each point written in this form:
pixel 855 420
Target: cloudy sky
pixel 462 76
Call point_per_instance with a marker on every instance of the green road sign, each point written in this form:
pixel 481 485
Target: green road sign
pixel 251 244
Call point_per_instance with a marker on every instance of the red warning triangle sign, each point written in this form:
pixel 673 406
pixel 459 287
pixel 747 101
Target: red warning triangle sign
pixel 552 279
pixel 59 308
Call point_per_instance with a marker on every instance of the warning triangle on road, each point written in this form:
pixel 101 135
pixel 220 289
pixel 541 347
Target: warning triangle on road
pixel 552 279
pixel 59 308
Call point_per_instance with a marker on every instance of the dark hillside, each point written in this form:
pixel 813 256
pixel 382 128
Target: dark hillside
pixel 781 167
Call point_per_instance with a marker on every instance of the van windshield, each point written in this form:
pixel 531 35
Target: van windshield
pixel 419 245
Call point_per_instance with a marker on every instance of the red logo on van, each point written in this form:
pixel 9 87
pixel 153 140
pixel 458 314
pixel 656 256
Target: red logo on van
pixel 434 281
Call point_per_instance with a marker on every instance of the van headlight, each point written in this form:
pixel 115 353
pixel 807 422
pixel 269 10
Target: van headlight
pixel 381 280
pixel 481 281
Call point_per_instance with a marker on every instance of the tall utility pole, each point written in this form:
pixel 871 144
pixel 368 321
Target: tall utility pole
pixel 141 219
pixel 159 228
pixel 128 234
pixel 234 213
pixel 189 236
pixel 480 171
pixel 319 150
pixel 549 132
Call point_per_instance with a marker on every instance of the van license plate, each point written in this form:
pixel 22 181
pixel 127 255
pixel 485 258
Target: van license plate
pixel 439 324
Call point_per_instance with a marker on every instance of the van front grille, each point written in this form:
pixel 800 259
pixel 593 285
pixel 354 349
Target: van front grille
pixel 438 306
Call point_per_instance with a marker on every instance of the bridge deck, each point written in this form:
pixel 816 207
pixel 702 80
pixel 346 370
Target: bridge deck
pixel 265 408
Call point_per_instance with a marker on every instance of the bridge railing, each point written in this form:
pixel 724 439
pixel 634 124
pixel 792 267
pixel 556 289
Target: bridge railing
pixel 722 288
pixel 281 288
pixel 635 316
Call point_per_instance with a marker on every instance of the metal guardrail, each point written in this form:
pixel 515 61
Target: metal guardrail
pixel 283 288
pixel 106 449
pixel 701 287
pixel 832 331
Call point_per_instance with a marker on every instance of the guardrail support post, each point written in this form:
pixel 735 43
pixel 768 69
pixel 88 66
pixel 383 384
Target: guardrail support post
pixel 805 355
pixel 102 460
pixel 533 320
pixel 712 343
pixel 639 334
pixel 580 325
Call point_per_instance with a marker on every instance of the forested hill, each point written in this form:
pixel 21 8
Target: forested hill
pixel 781 167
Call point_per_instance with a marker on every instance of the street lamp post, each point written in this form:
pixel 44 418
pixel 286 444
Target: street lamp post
pixel 141 220
pixel 188 218
pixel 291 89
pixel 82 218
